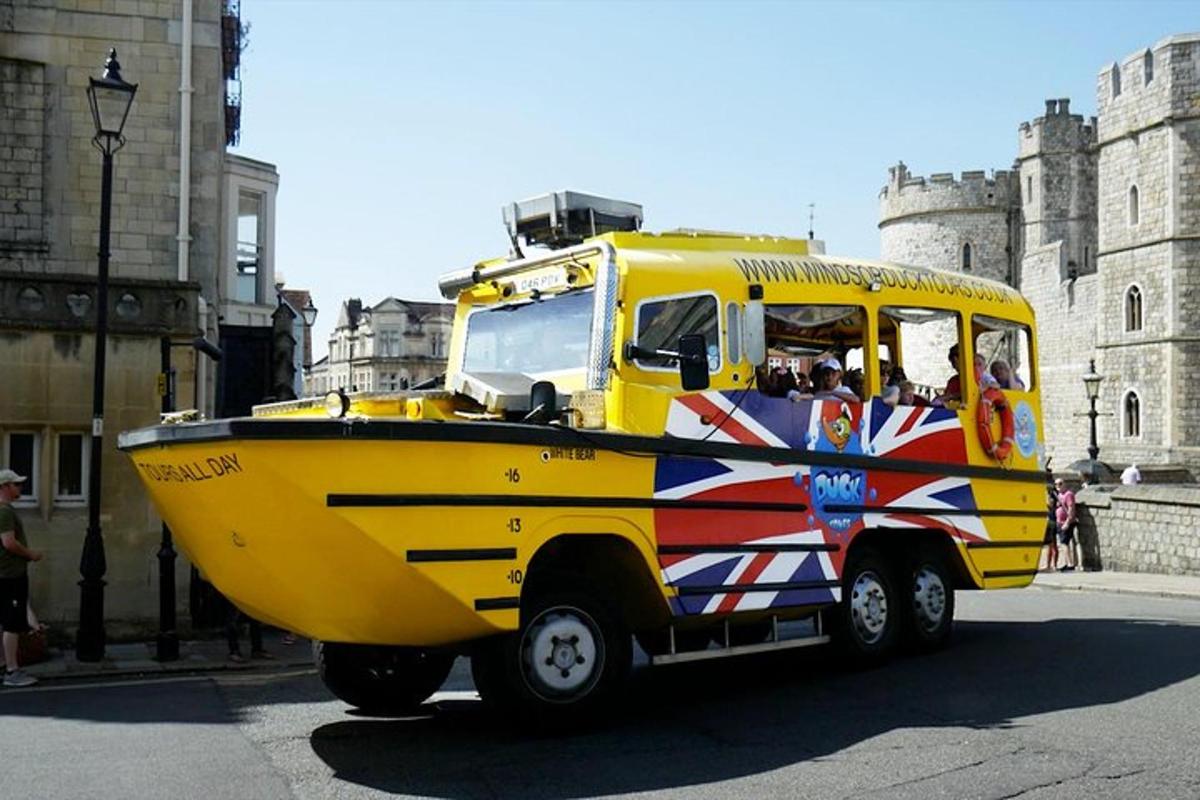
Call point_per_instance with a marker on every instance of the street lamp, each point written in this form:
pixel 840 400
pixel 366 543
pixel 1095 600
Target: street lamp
pixel 1091 384
pixel 110 98
pixel 309 312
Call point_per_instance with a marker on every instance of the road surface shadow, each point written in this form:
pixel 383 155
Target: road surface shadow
pixel 699 723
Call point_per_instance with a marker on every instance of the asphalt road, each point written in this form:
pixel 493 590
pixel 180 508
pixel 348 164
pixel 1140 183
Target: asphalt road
pixel 1042 694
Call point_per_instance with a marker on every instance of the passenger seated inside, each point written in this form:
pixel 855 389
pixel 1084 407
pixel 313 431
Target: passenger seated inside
pixel 953 391
pixel 891 396
pixel 1005 376
pixel 855 381
pixel 909 396
pixel 829 385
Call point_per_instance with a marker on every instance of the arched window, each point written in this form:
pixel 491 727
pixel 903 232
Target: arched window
pixel 1087 254
pixel 1116 80
pixel 1133 205
pixel 1148 66
pixel 1133 309
pixel 1131 415
pixel 966 257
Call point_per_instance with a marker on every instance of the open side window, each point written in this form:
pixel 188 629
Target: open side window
pixel 926 349
pixel 1006 351
pixel 799 337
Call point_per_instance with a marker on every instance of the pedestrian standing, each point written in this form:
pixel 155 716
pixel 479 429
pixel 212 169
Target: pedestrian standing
pixel 1050 540
pixel 15 556
pixel 1066 518
pixel 1131 476
pixel 233 624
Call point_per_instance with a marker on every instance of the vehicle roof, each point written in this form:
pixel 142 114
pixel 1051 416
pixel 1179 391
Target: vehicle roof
pixel 788 272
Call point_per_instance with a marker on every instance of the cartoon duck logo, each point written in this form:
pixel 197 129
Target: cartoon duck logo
pixel 839 429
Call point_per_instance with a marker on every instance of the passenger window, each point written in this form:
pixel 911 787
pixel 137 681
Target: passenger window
pixel 1005 349
pixel 811 335
pixel 920 340
pixel 660 323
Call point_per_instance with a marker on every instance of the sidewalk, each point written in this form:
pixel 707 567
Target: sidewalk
pixel 1122 583
pixel 137 660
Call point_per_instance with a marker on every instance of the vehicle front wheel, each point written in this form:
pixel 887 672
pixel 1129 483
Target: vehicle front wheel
pixel 930 603
pixel 381 679
pixel 866 623
pixel 569 653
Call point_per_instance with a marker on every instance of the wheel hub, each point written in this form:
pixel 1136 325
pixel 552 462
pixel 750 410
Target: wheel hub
pixel 929 599
pixel 869 607
pixel 559 652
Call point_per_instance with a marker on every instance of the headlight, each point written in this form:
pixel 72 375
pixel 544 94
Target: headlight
pixel 337 404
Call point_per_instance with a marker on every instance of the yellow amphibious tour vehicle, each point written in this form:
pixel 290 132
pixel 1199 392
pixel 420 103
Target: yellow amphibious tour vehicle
pixel 622 448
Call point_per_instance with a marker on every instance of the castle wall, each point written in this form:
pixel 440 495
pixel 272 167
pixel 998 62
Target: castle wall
pixel 1150 139
pixel 1066 337
pixel 926 222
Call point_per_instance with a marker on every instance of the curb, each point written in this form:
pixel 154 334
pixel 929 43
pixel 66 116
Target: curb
pixel 1080 587
pixel 46 673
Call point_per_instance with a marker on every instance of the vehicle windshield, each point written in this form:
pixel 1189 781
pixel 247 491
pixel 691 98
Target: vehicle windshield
pixel 534 338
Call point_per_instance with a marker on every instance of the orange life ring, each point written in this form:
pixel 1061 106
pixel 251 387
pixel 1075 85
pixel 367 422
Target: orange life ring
pixel 994 402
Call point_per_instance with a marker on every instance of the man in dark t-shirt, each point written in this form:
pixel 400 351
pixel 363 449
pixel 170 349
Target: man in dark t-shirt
pixel 15 556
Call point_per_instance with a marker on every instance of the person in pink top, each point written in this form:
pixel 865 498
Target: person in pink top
pixel 1066 514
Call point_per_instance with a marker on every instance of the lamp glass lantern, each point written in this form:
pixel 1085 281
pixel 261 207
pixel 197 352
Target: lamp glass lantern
pixel 110 98
pixel 1091 381
pixel 309 312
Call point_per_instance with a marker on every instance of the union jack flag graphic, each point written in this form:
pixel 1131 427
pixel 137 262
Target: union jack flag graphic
pixel 788 551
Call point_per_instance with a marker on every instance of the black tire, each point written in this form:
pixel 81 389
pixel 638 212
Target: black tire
pixel 928 602
pixel 570 653
pixel 866 624
pixel 379 679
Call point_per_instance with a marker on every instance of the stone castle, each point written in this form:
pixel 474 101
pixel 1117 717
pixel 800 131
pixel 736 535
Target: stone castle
pixel 1098 225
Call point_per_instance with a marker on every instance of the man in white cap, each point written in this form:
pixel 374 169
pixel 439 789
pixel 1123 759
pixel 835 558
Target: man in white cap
pixel 14 578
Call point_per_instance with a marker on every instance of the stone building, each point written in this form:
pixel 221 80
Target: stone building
pixel 389 346
pixel 1098 224
pixel 191 253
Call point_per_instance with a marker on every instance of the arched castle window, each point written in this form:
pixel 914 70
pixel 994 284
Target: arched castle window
pixel 1028 188
pixel 1148 66
pixel 1133 309
pixel 1116 80
pixel 1133 205
pixel 1087 254
pixel 1131 415
pixel 966 257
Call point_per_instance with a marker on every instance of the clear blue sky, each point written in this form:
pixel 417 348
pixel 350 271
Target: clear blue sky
pixel 399 128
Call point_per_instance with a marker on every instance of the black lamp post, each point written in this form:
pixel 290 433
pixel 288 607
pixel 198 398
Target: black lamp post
pixel 110 98
pixel 1091 384
pixel 166 643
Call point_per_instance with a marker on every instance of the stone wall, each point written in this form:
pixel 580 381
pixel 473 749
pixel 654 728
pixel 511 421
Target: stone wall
pixel 1141 528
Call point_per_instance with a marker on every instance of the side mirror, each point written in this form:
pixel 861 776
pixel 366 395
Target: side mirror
pixel 754 332
pixel 543 402
pixel 693 362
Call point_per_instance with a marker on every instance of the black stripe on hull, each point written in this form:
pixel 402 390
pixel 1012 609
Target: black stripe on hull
pixel 691 549
pixel 933 512
pixel 1010 573
pixel 463 554
pixel 750 588
pixel 1001 545
pixel 497 603
pixel 543 436
pixel 549 501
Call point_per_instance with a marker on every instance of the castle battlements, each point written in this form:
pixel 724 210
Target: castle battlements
pixel 1149 85
pixel 1058 131
pixel 906 194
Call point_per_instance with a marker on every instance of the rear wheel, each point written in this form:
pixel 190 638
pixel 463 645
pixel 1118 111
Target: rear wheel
pixel 570 652
pixel 379 678
pixel 866 623
pixel 930 602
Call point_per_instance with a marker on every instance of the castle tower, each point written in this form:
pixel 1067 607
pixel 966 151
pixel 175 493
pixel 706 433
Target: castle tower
pixel 965 225
pixel 1149 253
pixel 1057 163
